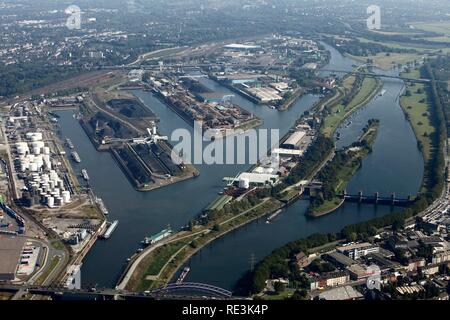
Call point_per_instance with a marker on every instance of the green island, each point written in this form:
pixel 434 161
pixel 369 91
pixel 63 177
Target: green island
pixel 336 174
pixel 359 91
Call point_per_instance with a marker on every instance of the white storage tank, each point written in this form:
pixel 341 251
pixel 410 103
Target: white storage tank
pixel 38 144
pixel 33 167
pixel 66 196
pixel 23 166
pixel 36 150
pixel 50 202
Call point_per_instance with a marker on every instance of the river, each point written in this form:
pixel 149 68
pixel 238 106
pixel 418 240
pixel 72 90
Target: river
pixel 395 165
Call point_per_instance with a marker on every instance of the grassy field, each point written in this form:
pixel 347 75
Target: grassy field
pixel 340 112
pixel 280 296
pixel 420 48
pixel 53 263
pixel 386 61
pixel 347 82
pixel 439 39
pixel 416 109
pixel 153 263
pixel 442 27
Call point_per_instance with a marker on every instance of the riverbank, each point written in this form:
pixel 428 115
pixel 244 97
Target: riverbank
pixel 198 238
pixel 414 103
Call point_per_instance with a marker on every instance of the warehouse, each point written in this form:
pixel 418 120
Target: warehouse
pixel 10 250
pixel 293 142
pixel 241 47
pixel 264 94
pixel 253 179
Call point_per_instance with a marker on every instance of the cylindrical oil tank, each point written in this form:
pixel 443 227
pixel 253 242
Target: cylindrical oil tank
pixel 50 202
pixel 66 196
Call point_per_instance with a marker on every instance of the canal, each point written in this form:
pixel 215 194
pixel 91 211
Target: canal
pixel 395 165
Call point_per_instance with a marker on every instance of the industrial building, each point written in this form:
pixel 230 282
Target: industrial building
pixel 264 94
pixel 253 179
pixel 294 140
pixel 241 47
pixel 358 250
pixel 330 279
pixel 10 253
pixel 341 293
pixel 339 260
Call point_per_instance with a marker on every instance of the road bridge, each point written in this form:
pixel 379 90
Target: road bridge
pixel 186 288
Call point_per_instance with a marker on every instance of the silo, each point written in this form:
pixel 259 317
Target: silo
pixel 50 202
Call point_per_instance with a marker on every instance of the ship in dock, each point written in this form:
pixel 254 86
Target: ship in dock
pixel 111 226
pixel 76 157
pixel 101 206
pixel 157 237
pixel 69 143
pixel 84 174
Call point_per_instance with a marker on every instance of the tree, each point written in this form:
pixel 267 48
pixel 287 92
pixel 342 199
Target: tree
pixel 279 287
pixel 299 295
